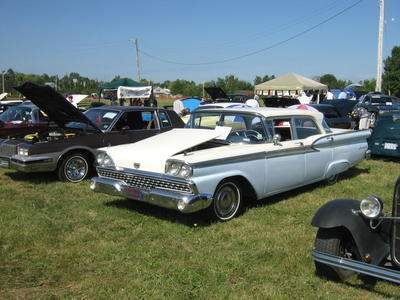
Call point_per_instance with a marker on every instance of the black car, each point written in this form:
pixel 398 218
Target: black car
pixel 356 236
pixel 217 94
pixel 375 103
pixel 333 117
pixel 275 101
pixel 69 148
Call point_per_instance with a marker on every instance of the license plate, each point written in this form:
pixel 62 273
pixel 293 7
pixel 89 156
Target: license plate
pixel 4 162
pixel 133 193
pixel 390 146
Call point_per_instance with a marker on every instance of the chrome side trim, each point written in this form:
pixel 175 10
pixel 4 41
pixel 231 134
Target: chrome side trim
pixel 357 266
pixel 254 156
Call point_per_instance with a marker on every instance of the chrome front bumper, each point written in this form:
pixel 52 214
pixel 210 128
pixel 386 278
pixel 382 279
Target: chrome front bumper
pixel 186 203
pixel 32 164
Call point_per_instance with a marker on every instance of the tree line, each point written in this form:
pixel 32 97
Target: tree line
pixel 75 83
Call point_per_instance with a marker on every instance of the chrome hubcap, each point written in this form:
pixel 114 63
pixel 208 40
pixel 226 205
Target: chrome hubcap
pixel 227 200
pixel 76 168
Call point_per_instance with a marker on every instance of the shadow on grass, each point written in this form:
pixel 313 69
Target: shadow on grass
pixel 369 283
pixel 386 158
pixel 192 220
pixel 38 177
pixel 201 218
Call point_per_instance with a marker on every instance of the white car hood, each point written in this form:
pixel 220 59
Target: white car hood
pixel 151 154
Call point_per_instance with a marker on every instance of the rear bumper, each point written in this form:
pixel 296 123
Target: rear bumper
pixel 357 266
pixel 164 198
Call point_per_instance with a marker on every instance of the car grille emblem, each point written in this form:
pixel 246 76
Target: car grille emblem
pixel 136 165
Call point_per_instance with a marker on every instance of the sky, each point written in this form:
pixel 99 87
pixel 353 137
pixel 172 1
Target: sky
pixel 94 38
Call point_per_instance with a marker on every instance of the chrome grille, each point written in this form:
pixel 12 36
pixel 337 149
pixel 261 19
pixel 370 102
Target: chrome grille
pixel 7 148
pixel 146 182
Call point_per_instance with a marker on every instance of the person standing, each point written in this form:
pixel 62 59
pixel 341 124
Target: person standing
pixel 342 95
pixel 330 95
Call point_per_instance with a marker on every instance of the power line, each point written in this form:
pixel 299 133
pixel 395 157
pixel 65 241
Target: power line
pixel 265 33
pixel 255 51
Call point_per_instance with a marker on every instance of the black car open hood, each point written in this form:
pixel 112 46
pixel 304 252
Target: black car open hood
pixel 216 93
pixel 53 104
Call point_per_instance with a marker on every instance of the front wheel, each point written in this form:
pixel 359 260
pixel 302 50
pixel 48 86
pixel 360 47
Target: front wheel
pixel 74 168
pixel 228 201
pixel 335 242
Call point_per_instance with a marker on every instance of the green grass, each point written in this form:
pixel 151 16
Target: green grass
pixel 62 240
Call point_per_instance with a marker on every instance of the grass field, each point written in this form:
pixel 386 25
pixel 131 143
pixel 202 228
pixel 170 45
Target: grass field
pixel 62 240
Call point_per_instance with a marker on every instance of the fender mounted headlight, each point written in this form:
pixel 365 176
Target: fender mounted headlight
pixel 178 168
pixel 104 160
pixel 371 207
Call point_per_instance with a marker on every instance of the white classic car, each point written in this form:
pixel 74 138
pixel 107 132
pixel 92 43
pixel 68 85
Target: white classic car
pixel 228 156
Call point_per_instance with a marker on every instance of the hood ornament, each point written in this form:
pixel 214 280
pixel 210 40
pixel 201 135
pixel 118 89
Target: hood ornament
pixel 136 165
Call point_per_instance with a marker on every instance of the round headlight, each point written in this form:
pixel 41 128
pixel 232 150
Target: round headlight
pixel 174 168
pixel 186 171
pixel 104 160
pixel 371 207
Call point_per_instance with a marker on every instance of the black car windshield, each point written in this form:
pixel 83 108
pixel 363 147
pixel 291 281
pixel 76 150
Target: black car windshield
pixel 234 127
pixel 17 114
pixel 102 118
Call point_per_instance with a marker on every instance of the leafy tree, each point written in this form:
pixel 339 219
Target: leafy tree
pixel 368 85
pixel 260 79
pixel 391 75
pixel 330 80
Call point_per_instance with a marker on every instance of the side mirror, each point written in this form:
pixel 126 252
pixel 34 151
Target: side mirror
pixel 276 139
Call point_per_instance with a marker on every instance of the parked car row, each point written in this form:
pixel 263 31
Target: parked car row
pixel 227 155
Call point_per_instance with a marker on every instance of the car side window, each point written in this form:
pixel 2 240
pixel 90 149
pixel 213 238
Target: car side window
pixel 305 127
pixel 164 120
pixel 136 120
pixel 283 128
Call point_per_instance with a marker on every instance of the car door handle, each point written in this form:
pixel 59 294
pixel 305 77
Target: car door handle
pixel 330 138
pixel 299 144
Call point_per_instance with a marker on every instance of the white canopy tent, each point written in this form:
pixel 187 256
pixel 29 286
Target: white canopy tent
pixel 289 85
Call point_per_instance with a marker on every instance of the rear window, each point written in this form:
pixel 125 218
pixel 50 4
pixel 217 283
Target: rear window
pixel 305 127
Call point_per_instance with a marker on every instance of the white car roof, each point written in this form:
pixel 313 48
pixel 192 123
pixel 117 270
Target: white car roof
pixel 275 112
pixel 224 104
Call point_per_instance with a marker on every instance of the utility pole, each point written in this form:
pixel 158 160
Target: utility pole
pixel 2 79
pixel 137 60
pixel 378 87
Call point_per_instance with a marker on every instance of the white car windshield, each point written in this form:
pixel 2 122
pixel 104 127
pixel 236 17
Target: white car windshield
pixel 242 128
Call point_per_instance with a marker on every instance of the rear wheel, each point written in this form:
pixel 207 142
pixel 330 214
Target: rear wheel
pixel 74 167
pixel 332 180
pixel 228 201
pixel 335 242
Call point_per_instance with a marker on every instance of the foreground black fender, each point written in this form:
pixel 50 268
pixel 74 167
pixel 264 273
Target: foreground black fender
pixel 344 213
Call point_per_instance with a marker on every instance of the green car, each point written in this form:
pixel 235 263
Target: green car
pixel 385 138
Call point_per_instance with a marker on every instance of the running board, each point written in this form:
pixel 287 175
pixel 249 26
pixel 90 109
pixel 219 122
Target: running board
pixel 356 266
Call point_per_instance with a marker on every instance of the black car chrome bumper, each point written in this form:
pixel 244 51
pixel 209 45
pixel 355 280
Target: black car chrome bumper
pixel 186 203
pixel 357 266
pixel 4 162
pixel 32 164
